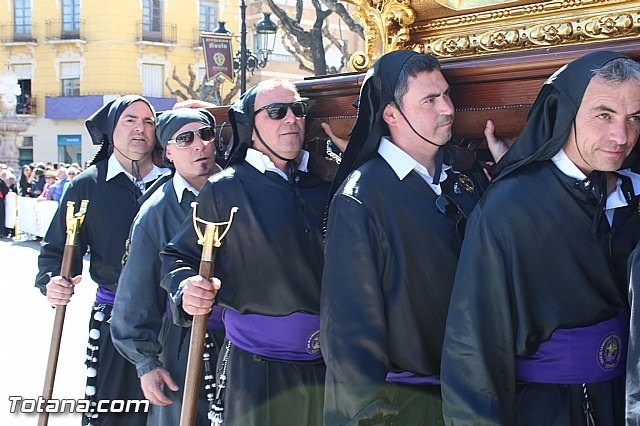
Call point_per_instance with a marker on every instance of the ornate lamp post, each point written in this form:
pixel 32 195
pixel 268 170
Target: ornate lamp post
pixel 265 35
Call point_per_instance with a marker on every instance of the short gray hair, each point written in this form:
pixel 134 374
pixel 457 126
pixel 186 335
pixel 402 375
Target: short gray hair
pixel 619 70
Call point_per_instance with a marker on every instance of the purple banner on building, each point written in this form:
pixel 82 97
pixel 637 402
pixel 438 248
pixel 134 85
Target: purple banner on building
pixel 217 55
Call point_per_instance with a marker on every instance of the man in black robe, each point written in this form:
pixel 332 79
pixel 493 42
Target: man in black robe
pixel 394 233
pixel 141 325
pixel 270 369
pixel 113 184
pixel 537 326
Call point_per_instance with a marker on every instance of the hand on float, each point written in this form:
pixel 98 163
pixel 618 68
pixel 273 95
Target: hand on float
pixel 498 147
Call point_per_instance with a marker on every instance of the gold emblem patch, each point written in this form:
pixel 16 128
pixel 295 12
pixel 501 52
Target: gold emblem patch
pixel 466 183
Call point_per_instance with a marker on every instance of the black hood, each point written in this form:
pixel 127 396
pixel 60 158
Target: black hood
pixel 552 114
pixel 241 116
pixel 377 91
pixel 102 123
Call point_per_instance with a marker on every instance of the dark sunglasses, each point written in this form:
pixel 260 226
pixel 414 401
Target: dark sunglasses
pixel 186 138
pixel 278 110
pixel 447 206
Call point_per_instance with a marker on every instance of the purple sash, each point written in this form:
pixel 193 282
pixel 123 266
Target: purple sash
pixel 590 354
pixel 294 337
pixel 409 378
pixel 214 320
pixel 105 296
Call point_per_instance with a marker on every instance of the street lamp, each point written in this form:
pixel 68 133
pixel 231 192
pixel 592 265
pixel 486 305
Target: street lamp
pixel 248 61
pixel 265 38
pixel 266 31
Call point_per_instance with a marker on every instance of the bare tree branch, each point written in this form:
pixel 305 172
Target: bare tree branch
pixel 340 45
pixel 337 7
pixel 177 93
pixel 234 90
pixel 289 25
pixel 298 57
pixel 299 10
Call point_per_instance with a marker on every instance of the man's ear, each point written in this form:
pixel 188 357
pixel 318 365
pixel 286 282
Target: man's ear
pixel 168 152
pixel 390 114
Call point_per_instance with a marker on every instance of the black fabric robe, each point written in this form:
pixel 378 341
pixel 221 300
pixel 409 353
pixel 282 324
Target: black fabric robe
pixel 270 263
pixel 390 261
pixel 139 327
pixel 100 221
pixel 105 230
pixel 529 265
pixel 633 355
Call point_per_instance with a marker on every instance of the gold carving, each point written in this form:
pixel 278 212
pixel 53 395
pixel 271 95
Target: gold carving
pixel 610 26
pixel 545 35
pixel 512 25
pixel 386 28
pixel 538 35
pixel 471 4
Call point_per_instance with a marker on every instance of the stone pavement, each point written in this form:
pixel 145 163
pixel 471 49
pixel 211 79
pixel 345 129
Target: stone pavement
pixel 26 320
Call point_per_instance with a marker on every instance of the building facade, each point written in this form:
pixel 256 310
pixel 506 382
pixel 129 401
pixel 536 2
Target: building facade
pixel 72 56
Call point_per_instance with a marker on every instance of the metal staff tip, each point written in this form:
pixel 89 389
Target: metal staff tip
pixel 211 236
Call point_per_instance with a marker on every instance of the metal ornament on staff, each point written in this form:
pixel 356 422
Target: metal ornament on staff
pixel 210 239
pixel 73 222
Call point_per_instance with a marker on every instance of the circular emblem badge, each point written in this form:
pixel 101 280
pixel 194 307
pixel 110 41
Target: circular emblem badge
pixel 218 58
pixel 609 352
pixel 313 343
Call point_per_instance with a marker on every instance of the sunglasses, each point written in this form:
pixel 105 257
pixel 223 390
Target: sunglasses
pixel 447 206
pixel 278 110
pixel 186 138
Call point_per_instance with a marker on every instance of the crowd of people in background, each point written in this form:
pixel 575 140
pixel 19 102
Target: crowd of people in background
pixel 43 181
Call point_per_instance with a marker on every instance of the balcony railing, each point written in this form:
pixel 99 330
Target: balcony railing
pixel 10 33
pixel 64 30
pixel 156 33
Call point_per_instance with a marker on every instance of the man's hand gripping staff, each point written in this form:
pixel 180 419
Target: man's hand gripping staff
pixel 210 240
pixel 74 221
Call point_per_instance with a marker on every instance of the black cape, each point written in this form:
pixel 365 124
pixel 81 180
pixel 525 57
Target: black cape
pixel 270 262
pixel 536 257
pixel 390 261
pixel 100 222
pixel 524 271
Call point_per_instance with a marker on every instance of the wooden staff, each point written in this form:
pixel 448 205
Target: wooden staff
pixel 73 226
pixel 210 240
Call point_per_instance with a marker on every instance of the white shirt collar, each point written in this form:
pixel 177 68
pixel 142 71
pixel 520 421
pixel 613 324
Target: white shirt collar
pixel 263 163
pixel 114 168
pixel 566 166
pixel 402 164
pixel 615 199
pixel 180 185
